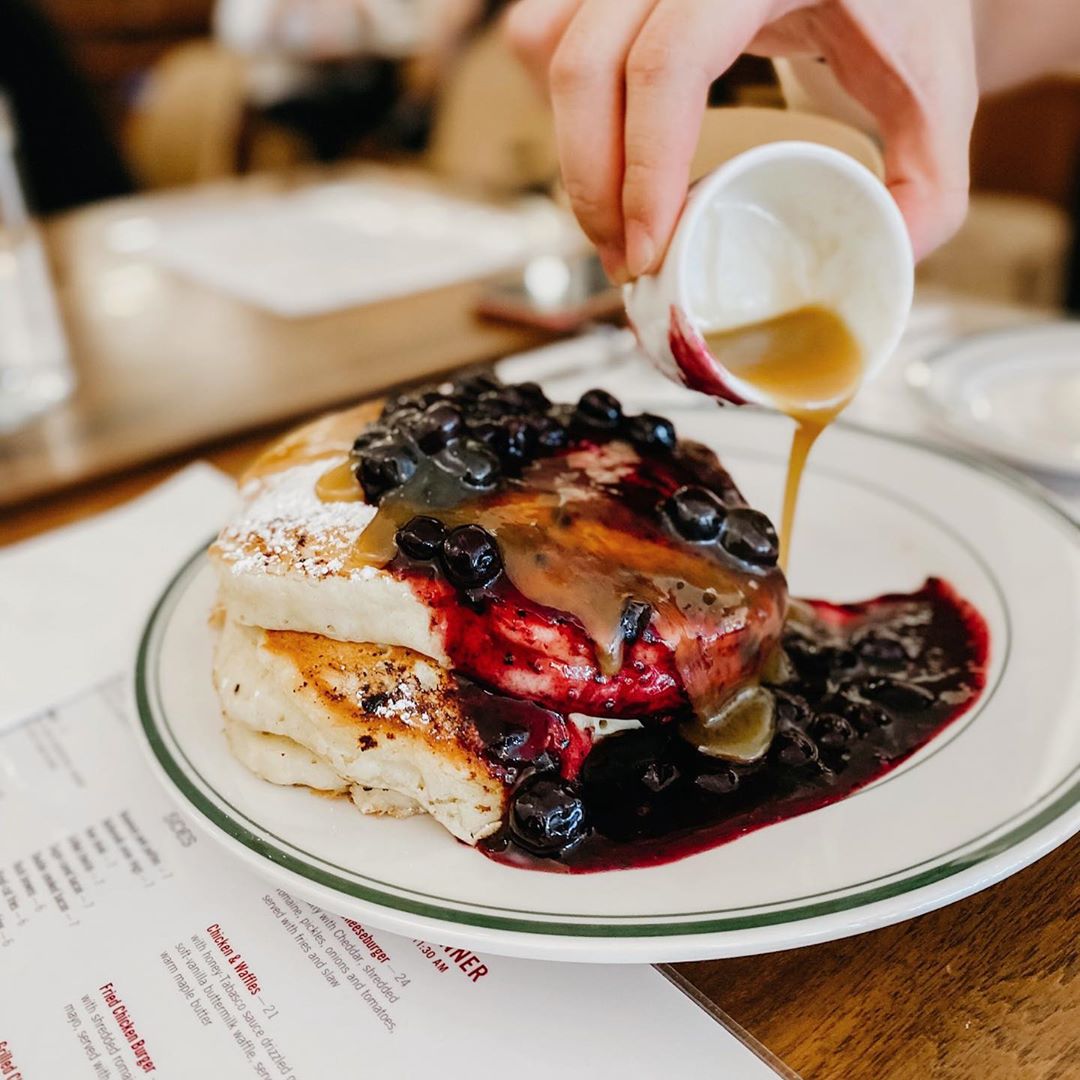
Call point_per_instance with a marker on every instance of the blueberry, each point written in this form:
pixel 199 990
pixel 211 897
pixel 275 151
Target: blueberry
pixel 812 661
pixel 471 462
pixel 880 651
pixel 547 815
pixel 721 782
pixel 518 441
pixel 490 432
pixel 421 537
pixel 426 398
pixel 510 746
pixel 866 717
pixel 404 419
pixel 369 436
pixel 470 556
pixel 636 616
pixel 818 663
pixel 419 401
pixel 652 432
pixel 550 434
pixel 749 535
pixel 597 408
pixel 472 386
pixel 660 775
pixel 896 695
pixel 533 396
pixel 495 404
pixel 513 438
pixel 395 404
pixel 696 513
pixel 792 710
pixel 385 466
pixel 437 426
pixel 832 731
pixel 791 747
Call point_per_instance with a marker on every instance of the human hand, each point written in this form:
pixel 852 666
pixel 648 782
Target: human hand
pixel 628 82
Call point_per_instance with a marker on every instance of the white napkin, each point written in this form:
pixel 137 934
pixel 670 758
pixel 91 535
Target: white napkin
pixel 341 245
pixel 113 566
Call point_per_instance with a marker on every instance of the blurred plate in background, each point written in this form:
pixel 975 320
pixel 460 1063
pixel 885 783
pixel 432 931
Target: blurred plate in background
pixel 1013 393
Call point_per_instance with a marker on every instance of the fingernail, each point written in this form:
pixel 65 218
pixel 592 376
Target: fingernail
pixel 640 250
pixel 611 258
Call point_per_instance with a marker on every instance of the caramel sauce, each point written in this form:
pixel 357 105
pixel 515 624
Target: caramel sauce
pixel 809 364
pixel 580 534
pixel 327 439
pixel 338 484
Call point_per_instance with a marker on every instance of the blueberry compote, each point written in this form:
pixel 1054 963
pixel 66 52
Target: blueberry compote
pixel 579 560
pixel 860 688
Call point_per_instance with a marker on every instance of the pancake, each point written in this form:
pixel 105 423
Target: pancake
pixel 280 760
pixel 285 561
pixel 357 718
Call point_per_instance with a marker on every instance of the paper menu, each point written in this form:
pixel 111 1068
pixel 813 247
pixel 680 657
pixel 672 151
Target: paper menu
pixel 132 945
pixel 72 604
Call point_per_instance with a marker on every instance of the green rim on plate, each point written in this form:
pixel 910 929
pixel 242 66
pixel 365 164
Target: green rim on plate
pixel 229 820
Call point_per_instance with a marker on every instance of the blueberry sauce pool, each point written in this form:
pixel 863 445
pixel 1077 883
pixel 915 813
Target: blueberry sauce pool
pixel 869 684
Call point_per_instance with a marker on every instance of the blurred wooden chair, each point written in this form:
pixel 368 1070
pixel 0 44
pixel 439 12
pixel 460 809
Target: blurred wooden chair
pixel 492 128
pixel 1025 168
pixel 192 122
pixel 1011 248
pixel 185 126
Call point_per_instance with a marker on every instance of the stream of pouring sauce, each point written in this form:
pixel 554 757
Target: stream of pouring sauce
pixel 810 365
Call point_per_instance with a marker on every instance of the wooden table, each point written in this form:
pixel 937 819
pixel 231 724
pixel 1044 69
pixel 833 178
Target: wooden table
pixel 165 363
pixel 987 989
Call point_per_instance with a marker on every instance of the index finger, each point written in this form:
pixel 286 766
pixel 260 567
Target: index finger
pixel 682 47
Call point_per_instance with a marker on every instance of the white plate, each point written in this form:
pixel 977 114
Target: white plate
pixel 1012 393
pixel 992 793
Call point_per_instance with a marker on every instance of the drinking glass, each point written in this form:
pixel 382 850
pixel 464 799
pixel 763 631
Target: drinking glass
pixel 35 367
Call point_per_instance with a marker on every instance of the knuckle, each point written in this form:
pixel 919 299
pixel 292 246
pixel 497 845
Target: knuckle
pixel 649 64
pixel 570 71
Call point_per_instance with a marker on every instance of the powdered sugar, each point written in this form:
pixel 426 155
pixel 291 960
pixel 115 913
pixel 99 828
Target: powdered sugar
pixel 401 705
pixel 283 525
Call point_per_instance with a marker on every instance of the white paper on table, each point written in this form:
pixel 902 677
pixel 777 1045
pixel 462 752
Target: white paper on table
pixel 345 244
pixel 132 945
pixel 73 602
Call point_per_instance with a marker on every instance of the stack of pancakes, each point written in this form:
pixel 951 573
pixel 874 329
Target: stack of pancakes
pixel 333 677
pixel 336 670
